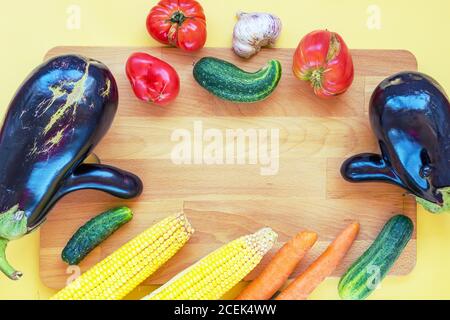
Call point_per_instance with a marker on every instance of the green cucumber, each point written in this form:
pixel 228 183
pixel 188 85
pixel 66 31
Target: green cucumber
pixel 370 269
pixel 228 82
pixel 94 232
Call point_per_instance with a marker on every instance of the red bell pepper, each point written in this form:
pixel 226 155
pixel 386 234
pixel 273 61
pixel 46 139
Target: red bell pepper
pixel 180 23
pixel 152 79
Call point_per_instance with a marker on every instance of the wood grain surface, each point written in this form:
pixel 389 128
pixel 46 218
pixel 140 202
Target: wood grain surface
pixel 225 201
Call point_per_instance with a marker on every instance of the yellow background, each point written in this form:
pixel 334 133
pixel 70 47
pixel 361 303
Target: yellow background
pixel 28 29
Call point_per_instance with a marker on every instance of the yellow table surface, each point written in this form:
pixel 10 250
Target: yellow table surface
pixel 28 29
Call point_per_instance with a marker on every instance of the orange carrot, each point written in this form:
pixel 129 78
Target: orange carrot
pixel 275 274
pixel 322 267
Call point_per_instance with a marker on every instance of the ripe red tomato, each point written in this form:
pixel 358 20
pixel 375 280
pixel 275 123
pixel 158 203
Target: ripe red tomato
pixel 152 79
pixel 322 58
pixel 180 23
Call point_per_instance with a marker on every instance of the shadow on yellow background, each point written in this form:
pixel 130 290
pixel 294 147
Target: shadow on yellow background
pixel 28 29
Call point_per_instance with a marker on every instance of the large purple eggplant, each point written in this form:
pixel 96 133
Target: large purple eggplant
pixel 410 116
pixel 56 118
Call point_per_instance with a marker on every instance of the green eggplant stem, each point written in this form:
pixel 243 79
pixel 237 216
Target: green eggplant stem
pixel 435 208
pixel 13 225
pixel 5 267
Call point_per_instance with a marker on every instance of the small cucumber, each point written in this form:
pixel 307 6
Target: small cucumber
pixel 370 269
pixel 94 232
pixel 228 82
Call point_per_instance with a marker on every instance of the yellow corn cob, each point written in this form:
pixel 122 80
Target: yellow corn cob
pixel 122 271
pixel 217 273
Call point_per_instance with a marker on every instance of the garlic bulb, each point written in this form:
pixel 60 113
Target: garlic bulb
pixel 254 31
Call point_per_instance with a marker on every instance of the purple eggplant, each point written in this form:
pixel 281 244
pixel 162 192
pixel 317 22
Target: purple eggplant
pixel 410 116
pixel 56 118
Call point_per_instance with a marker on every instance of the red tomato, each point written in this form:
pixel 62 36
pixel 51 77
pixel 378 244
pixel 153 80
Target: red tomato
pixel 322 58
pixel 152 79
pixel 180 23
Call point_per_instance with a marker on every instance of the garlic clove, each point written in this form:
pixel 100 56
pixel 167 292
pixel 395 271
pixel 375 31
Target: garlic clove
pixel 254 31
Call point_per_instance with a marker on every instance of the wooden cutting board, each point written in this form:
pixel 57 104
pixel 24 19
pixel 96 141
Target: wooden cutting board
pixel 226 201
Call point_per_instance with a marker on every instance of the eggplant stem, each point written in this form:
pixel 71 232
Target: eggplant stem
pixel 5 267
pixel 435 208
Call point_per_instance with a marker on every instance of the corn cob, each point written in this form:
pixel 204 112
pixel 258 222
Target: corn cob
pixel 122 271
pixel 220 271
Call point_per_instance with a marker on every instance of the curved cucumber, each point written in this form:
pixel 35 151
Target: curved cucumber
pixel 228 82
pixel 370 269
pixel 94 232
